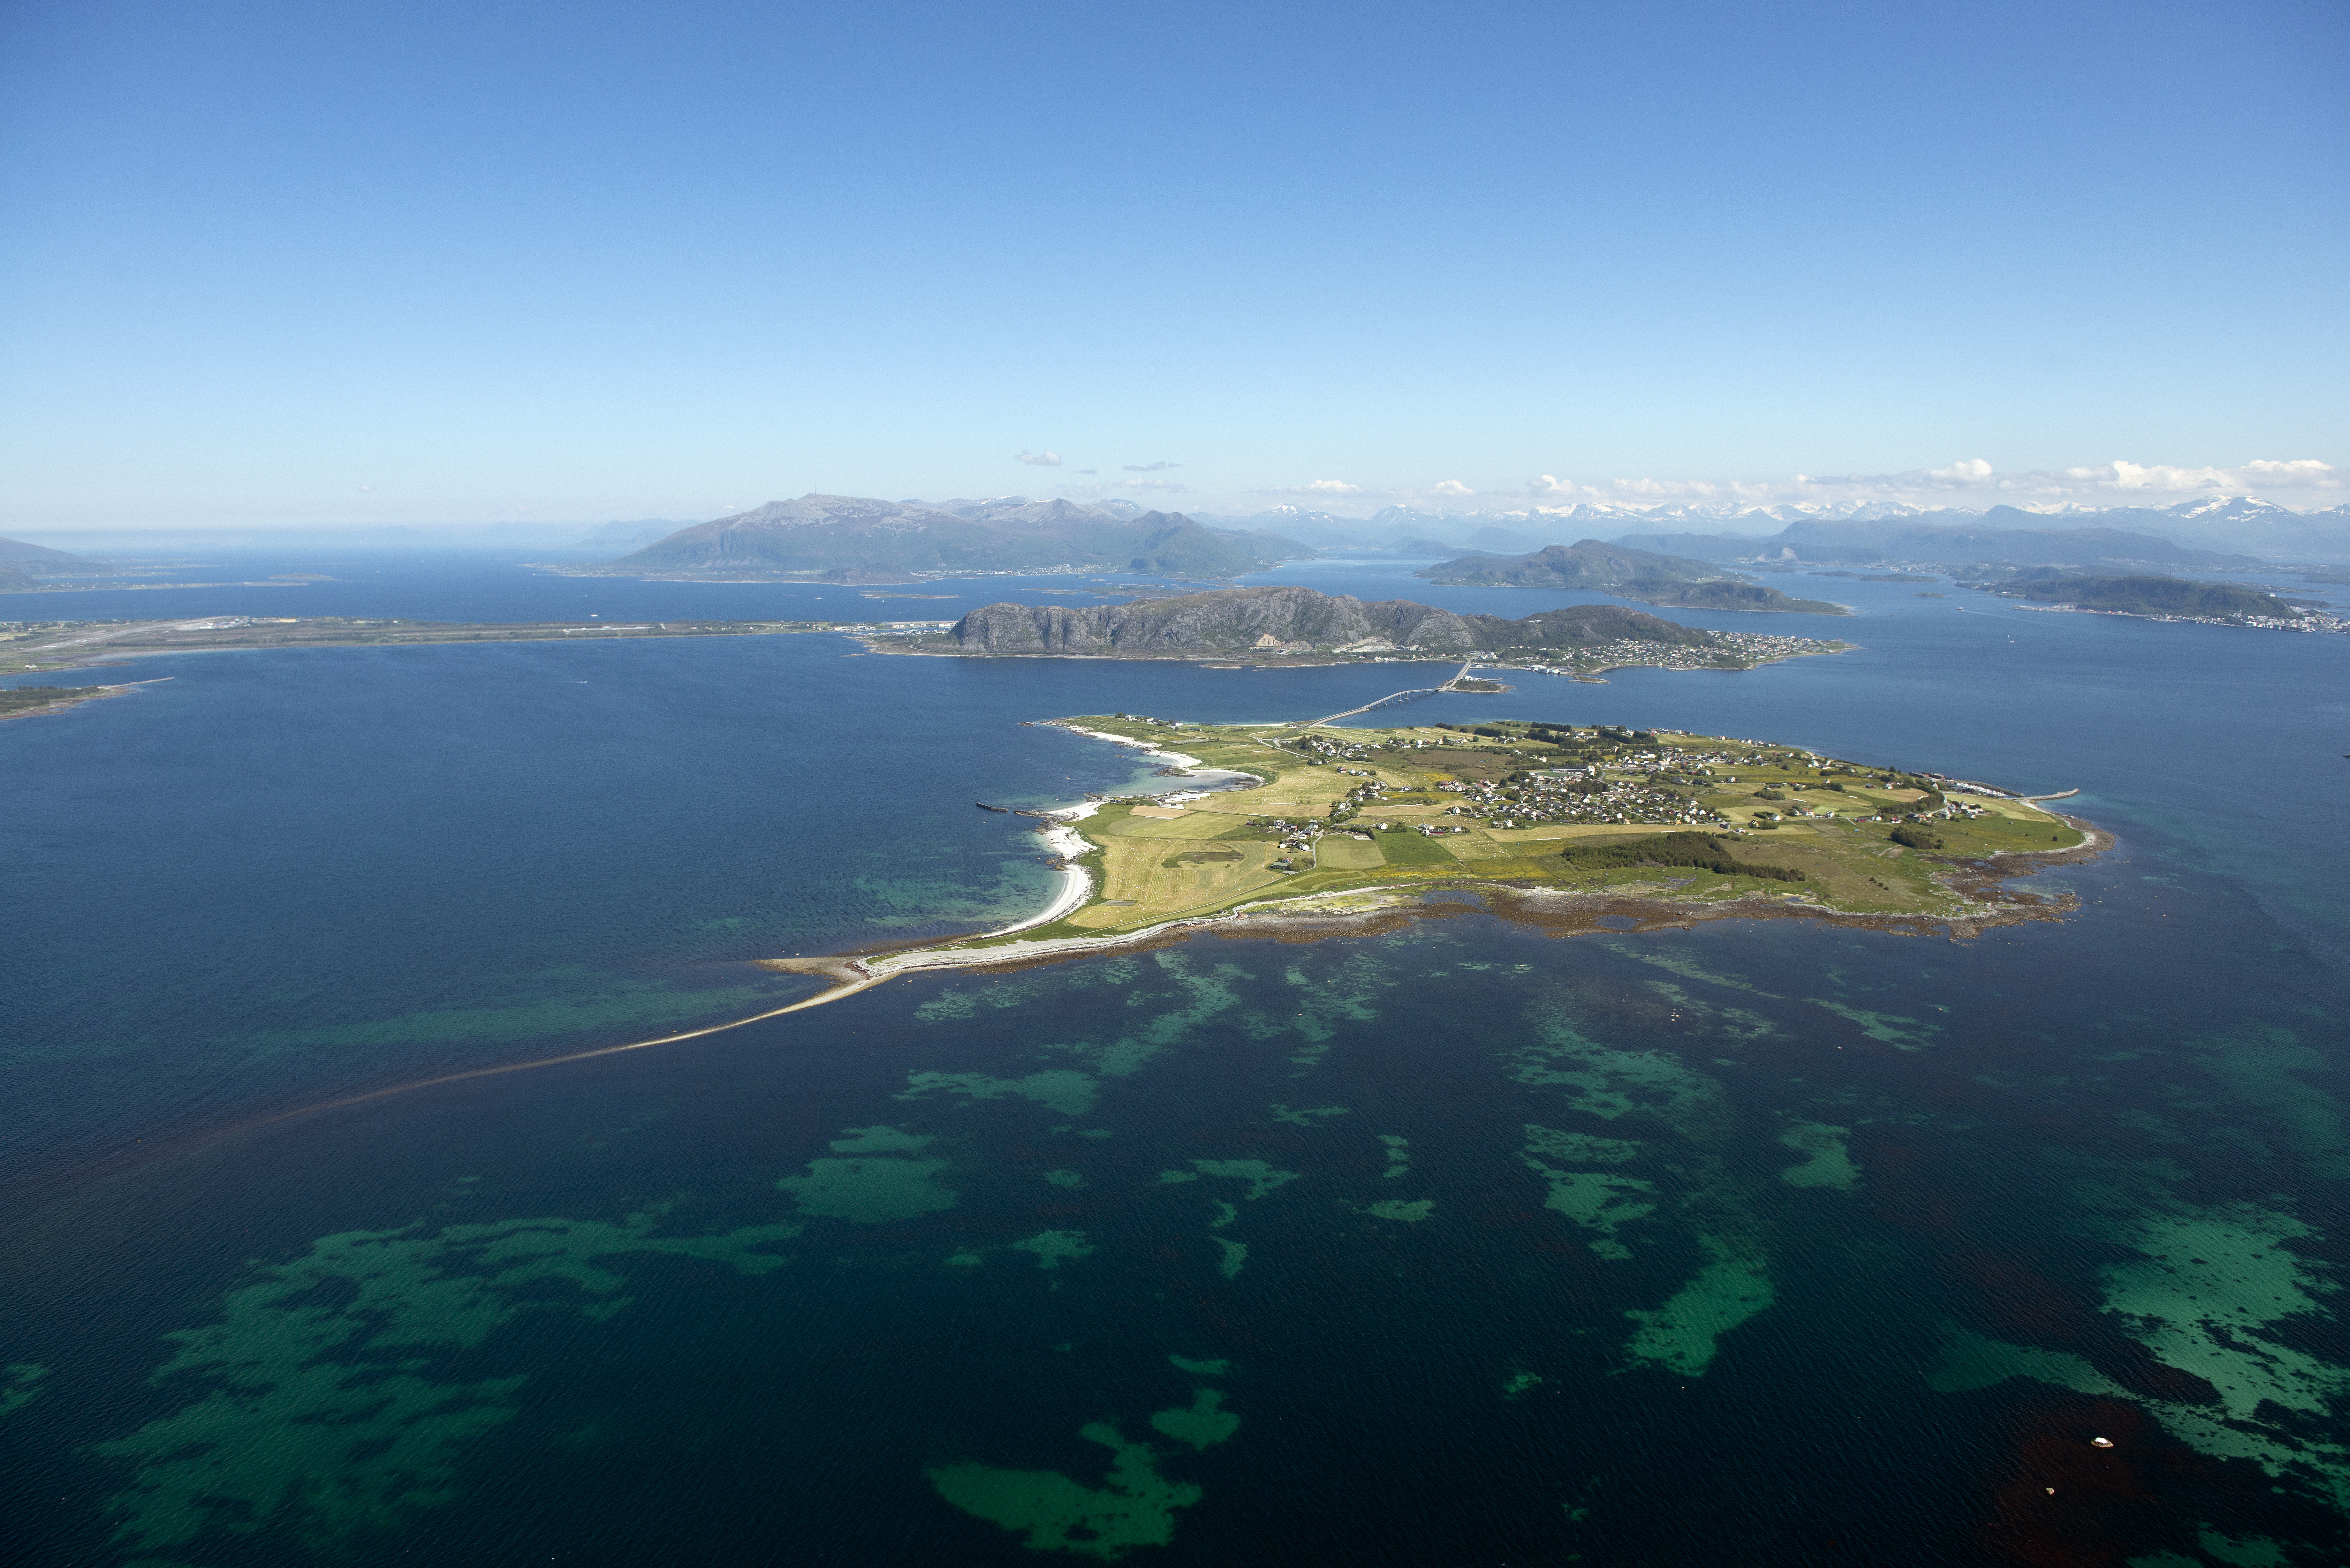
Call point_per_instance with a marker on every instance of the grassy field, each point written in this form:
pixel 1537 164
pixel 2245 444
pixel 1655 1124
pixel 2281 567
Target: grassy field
pixel 1148 869
pixel 1831 820
pixel 1342 854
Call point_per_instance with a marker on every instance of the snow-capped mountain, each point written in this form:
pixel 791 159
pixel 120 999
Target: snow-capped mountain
pixel 2232 509
pixel 2236 525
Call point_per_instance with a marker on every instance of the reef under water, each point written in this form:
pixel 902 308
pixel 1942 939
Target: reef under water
pixel 1446 1237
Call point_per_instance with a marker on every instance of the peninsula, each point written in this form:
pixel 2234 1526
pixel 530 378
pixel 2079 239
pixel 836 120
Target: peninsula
pixel 39 644
pixel 1559 820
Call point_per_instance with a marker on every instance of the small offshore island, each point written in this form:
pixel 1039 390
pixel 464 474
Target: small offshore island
pixel 1294 626
pixel 1588 826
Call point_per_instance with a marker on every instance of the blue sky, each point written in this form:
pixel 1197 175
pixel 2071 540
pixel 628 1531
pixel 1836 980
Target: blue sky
pixel 428 262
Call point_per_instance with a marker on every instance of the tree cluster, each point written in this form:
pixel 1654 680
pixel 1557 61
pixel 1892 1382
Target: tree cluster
pixel 1697 849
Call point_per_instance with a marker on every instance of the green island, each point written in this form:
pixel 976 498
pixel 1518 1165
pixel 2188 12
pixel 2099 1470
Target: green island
pixel 1560 822
pixel 31 646
pixel 1642 575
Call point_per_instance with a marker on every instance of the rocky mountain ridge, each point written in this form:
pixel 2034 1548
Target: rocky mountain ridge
pixel 858 536
pixel 1294 620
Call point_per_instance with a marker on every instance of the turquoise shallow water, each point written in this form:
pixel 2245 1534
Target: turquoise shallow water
pixel 1461 1241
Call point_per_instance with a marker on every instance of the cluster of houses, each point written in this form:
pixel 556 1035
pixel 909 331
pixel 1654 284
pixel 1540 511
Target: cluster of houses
pixel 1748 647
pixel 1567 795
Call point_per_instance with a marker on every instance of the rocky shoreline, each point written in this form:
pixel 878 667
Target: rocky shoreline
pixel 1560 911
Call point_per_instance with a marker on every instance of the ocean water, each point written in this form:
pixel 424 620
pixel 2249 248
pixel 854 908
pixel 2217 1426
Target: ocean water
pixel 1460 1240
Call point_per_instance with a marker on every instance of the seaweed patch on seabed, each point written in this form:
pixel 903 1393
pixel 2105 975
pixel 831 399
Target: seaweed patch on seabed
pixel 1314 1117
pixel 1681 965
pixel 1598 1201
pixel 1829 1164
pixel 24 1385
pixel 2206 1295
pixel 1134 1506
pixel 2267 1070
pixel 1260 1177
pixel 1343 993
pixel 1052 1247
pixel 872 1186
pixel 1062 1090
pixel 1683 1335
pixel 953 1006
pixel 1605 1081
pixel 321 1418
pixel 1733 1284
pixel 1738 1024
pixel 1198 997
pixel 1886 1028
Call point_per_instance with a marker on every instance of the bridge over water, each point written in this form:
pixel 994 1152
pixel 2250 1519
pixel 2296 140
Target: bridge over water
pixel 1394 699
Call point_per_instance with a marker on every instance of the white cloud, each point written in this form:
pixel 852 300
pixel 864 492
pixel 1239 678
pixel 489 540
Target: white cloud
pixel 1668 489
pixel 1038 458
pixel 2120 475
pixel 1104 490
pixel 2260 473
pixel 2304 470
pixel 1970 482
pixel 1548 487
pixel 1150 467
pixel 1965 469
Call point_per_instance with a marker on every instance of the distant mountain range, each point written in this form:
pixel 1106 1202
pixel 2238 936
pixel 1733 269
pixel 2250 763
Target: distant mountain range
pixel 2003 536
pixel 1647 576
pixel 1269 619
pixel 1725 531
pixel 858 538
pixel 863 538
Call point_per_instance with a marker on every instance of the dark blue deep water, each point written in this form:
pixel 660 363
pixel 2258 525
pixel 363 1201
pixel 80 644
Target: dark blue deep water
pixel 1463 1241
